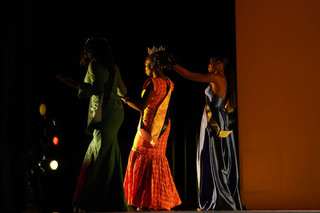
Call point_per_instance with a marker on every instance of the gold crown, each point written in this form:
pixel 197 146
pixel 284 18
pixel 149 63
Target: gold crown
pixel 154 49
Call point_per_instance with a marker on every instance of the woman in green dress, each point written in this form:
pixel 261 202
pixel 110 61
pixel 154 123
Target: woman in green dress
pixel 100 183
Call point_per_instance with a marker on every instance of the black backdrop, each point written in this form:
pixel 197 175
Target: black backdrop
pixel 43 39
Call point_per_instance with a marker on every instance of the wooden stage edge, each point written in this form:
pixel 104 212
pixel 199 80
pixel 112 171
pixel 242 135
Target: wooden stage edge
pixel 242 211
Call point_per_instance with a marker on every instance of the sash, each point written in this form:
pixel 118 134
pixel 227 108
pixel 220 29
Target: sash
pixel 213 123
pixel 158 125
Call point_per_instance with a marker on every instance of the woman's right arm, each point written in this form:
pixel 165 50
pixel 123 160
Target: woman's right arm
pixel 140 104
pixel 199 77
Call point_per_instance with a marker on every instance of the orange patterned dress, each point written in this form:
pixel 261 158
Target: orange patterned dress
pixel 148 181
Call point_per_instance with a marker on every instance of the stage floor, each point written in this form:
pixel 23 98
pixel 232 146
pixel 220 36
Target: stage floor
pixel 243 211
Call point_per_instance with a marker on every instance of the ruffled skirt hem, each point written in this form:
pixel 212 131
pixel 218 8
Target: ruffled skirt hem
pixel 149 183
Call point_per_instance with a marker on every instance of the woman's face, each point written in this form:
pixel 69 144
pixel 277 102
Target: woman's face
pixel 220 66
pixel 212 65
pixel 148 69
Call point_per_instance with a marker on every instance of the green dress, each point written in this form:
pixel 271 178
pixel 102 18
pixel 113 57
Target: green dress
pixel 100 183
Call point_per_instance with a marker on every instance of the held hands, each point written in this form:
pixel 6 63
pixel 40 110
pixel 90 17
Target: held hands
pixel 67 80
pixel 125 99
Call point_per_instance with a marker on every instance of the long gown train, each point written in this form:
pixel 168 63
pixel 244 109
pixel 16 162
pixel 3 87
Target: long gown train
pixel 100 183
pixel 148 181
pixel 217 164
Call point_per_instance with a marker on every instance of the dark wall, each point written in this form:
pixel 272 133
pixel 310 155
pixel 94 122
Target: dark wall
pixel 45 38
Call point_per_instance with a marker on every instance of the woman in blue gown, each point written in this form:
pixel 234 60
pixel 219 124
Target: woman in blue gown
pixel 217 166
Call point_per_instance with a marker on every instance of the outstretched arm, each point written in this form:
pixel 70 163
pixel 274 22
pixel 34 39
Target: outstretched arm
pixel 141 103
pixel 200 77
pixel 68 81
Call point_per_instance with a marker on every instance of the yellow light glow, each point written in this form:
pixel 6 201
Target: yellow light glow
pixel 54 164
pixel 43 109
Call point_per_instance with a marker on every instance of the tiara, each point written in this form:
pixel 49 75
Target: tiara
pixel 154 49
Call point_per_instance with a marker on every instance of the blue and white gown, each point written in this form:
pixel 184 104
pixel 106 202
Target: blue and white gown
pixel 217 166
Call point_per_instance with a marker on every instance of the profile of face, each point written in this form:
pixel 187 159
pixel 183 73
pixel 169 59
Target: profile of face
pixel 220 66
pixel 148 69
pixel 212 65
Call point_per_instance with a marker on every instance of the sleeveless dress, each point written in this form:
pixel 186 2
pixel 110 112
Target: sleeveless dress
pixel 100 183
pixel 148 180
pixel 217 166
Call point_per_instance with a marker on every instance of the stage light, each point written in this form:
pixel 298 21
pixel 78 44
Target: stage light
pixel 54 165
pixel 55 140
pixel 43 109
pixel 55 124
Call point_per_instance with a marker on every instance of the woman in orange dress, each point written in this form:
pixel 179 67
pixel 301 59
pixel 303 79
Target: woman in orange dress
pixel 148 183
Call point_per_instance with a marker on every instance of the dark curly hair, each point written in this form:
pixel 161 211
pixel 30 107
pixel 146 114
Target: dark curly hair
pixel 162 60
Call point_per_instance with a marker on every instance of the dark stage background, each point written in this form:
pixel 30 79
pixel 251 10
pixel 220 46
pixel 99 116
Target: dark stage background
pixel 43 39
